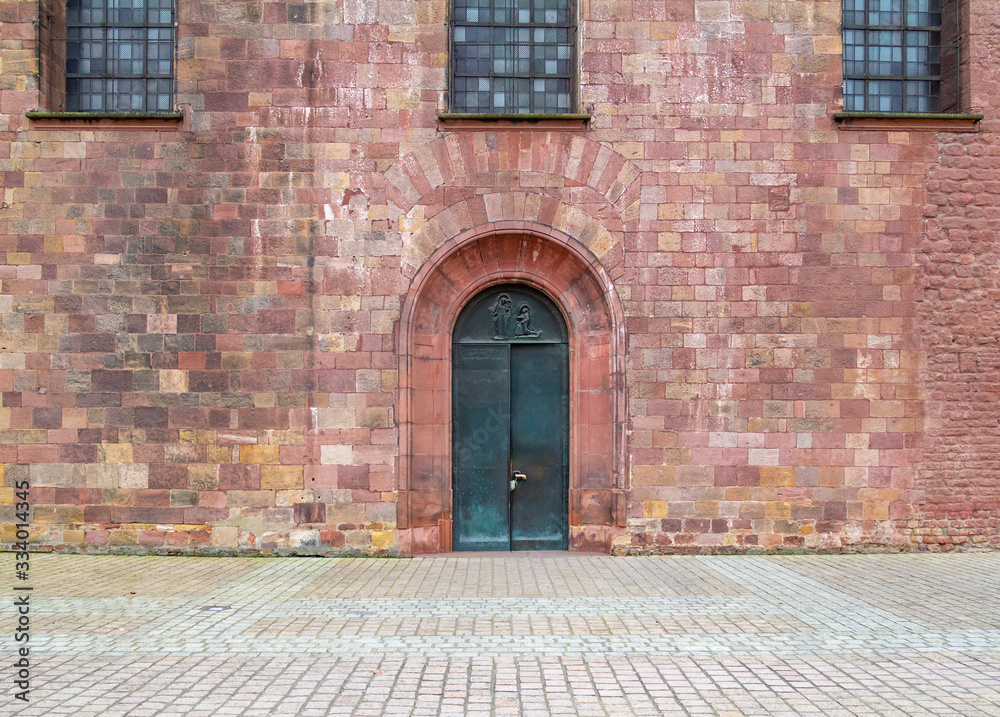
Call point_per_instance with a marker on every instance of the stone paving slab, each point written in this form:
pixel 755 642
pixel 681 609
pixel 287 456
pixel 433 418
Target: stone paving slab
pixel 517 634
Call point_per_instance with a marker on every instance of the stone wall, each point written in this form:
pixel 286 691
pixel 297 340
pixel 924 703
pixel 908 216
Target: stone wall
pixel 958 480
pixel 201 323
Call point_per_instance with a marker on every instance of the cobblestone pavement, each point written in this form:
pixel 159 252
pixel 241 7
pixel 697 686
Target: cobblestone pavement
pixel 518 634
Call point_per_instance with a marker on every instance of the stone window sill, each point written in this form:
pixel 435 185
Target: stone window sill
pixel 43 119
pixel 491 121
pixel 908 122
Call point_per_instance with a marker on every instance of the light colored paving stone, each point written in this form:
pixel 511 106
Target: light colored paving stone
pixel 514 635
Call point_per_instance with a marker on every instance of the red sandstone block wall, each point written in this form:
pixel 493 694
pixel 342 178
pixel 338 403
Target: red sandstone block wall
pixel 200 325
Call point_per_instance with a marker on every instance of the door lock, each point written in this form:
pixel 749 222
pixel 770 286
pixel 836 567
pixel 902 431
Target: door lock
pixel 515 478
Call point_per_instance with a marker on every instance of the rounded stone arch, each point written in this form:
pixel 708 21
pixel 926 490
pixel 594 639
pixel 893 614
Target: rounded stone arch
pixel 455 159
pixel 600 236
pixel 569 274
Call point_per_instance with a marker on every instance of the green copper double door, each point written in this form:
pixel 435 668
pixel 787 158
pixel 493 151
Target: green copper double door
pixel 510 435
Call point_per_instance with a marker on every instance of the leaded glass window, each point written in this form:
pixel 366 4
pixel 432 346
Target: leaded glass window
pixel 119 55
pixel 892 55
pixel 512 56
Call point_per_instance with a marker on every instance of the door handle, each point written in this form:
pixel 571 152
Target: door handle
pixel 515 478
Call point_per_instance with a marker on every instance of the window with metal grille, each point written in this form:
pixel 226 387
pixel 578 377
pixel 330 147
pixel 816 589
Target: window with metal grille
pixel 892 55
pixel 512 56
pixel 119 55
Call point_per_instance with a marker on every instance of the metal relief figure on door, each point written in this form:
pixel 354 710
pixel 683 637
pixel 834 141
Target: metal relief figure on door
pixel 501 317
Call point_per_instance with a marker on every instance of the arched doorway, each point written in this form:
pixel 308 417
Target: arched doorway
pixel 510 422
pixel 555 266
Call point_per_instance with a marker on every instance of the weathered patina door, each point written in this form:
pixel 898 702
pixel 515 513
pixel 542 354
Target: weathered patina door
pixel 510 435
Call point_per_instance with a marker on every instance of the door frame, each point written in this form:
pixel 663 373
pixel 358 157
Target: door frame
pixel 568 273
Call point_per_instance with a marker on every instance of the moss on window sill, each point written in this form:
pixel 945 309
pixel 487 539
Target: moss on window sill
pixel 495 120
pixel 909 121
pixel 45 114
pixel 46 119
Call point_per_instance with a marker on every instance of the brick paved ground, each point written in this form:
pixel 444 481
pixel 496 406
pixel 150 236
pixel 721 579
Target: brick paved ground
pixel 549 634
